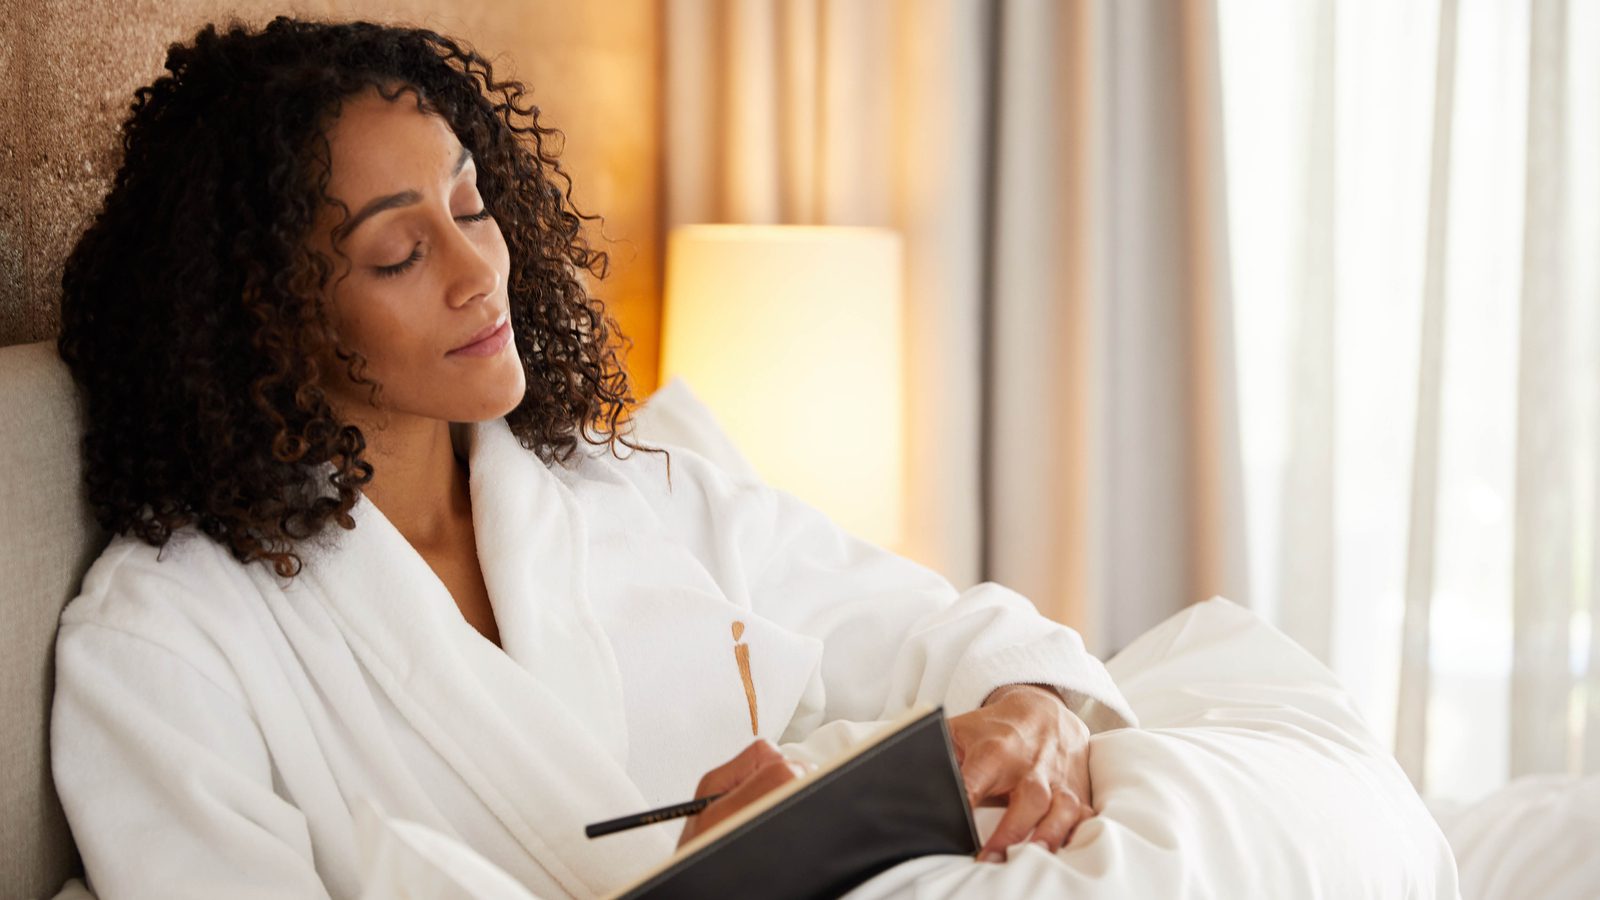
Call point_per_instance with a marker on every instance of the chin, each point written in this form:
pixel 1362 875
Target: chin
pixel 507 396
pixel 483 412
pixel 477 400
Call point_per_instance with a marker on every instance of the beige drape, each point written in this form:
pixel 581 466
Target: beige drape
pixel 1055 168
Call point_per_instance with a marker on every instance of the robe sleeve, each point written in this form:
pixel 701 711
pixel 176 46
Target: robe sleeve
pixel 165 777
pixel 894 632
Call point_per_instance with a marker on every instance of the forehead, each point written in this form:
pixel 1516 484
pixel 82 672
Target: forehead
pixel 380 146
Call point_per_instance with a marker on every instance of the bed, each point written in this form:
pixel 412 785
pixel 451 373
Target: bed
pixel 1252 773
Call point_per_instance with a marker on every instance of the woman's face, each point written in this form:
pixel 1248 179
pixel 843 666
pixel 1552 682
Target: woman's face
pixel 425 277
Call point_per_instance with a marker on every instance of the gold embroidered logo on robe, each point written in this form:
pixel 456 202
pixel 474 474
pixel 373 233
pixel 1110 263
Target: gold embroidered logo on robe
pixel 741 653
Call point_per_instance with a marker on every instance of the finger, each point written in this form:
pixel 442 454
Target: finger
pixel 1057 826
pixel 1029 801
pixel 769 776
pixel 730 774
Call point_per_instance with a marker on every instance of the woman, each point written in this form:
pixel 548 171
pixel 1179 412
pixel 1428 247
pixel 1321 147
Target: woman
pixel 353 421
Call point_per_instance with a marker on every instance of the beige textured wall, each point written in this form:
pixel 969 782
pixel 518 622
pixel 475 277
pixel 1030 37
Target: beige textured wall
pixel 69 69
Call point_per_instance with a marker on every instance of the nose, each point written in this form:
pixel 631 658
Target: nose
pixel 474 275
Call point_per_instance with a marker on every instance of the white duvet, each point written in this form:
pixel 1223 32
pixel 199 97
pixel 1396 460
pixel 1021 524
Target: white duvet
pixel 1252 776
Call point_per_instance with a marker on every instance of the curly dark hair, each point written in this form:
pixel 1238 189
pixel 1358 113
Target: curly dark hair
pixel 190 310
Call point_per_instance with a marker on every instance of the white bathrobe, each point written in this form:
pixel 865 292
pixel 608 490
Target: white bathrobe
pixel 213 725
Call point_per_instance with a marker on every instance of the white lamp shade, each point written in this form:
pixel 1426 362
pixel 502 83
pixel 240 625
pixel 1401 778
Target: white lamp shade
pixel 792 336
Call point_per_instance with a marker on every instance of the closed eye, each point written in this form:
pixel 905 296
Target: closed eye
pixel 416 252
pixel 397 268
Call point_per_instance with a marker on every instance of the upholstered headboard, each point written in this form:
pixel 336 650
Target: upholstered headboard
pixel 47 541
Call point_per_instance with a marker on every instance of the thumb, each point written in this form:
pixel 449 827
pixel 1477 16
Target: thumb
pixel 981 775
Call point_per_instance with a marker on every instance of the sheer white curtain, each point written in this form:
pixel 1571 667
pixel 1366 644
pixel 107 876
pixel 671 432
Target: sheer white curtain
pixel 1055 168
pixel 1414 193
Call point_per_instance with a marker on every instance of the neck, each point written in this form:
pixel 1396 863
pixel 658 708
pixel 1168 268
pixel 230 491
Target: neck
pixel 417 482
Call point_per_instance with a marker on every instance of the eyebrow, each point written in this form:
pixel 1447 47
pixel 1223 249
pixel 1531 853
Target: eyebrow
pixel 394 201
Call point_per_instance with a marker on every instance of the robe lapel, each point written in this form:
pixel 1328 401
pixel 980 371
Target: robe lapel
pixel 530 741
pixel 533 547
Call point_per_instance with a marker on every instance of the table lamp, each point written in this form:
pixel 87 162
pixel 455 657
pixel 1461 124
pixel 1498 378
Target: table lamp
pixel 791 334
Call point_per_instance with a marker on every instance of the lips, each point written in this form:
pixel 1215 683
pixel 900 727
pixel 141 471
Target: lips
pixel 484 332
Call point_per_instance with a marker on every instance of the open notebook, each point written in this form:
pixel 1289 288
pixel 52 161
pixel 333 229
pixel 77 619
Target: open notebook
pixel 895 796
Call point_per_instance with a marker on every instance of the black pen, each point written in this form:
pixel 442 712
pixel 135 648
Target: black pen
pixel 649 817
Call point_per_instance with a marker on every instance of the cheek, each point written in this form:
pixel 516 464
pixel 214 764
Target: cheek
pixel 370 323
pixel 359 328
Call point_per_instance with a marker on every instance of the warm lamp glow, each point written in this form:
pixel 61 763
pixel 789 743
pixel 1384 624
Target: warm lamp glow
pixel 792 336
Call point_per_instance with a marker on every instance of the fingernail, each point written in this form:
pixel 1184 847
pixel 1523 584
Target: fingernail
pixel 990 856
pixel 798 768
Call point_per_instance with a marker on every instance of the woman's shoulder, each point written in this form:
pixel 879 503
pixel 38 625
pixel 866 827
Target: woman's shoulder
pixel 154 629
pixel 158 592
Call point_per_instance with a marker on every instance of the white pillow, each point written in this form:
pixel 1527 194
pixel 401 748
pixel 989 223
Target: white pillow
pixel 674 415
pixel 1535 836
pixel 1252 775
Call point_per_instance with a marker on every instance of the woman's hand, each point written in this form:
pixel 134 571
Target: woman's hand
pixel 757 769
pixel 1024 743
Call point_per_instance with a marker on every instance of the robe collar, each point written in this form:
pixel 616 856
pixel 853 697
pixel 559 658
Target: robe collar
pixel 536 729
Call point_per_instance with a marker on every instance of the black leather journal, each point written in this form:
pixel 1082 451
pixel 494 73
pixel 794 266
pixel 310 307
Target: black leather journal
pixel 895 796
